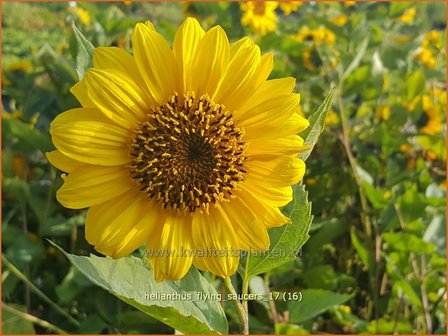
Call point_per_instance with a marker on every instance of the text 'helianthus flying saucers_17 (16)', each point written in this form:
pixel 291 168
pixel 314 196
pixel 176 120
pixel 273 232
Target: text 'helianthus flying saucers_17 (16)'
pixel 188 149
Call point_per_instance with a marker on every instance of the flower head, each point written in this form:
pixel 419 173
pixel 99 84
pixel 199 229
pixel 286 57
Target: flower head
pixel 259 16
pixel 408 16
pixel 189 150
pixel 288 7
pixel 83 15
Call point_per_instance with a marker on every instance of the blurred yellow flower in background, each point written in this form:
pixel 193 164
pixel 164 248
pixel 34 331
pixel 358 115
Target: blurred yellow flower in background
pixel 23 65
pixel 340 20
pixel 383 112
pixel 320 35
pixel 259 16
pixel 83 15
pixel 405 148
pixel 434 114
pixel 349 3
pixel 290 6
pixel 408 16
pixel 307 58
pixel 332 118
pixel 426 57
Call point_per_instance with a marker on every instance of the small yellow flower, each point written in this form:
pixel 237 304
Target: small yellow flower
pixel 349 3
pixel 83 15
pixel 322 35
pixel 404 148
pixel 189 150
pixel 23 66
pixel 412 104
pixel 434 124
pixel 345 309
pixel 307 58
pixel 290 6
pixel 432 36
pixel 431 155
pixel 383 113
pixel 427 58
pixel 340 20
pixel 332 118
pixel 259 16
pixel 16 114
pixel 408 16
pixel 304 34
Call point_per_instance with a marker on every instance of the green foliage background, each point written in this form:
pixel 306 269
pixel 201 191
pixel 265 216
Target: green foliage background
pixel 375 261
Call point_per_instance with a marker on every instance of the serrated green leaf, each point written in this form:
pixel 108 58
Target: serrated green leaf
pixel 287 239
pixel 313 303
pixel 131 281
pixel 317 123
pixel 84 53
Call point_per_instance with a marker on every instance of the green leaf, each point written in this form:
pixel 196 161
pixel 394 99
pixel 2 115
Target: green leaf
pixel 354 64
pixel 131 281
pixel 287 239
pixel 31 137
pixel 375 196
pixel 362 251
pixel 415 84
pixel 406 242
pixel 313 303
pixel 84 53
pixel 13 324
pixel 317 123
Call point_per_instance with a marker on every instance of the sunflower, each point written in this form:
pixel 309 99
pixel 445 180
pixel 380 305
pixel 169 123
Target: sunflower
pixel 288 7
pixel 259 16
pixel 189 150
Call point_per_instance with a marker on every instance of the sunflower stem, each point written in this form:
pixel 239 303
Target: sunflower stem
pixel 242 313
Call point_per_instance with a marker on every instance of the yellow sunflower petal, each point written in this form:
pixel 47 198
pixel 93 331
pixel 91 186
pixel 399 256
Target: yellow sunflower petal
pixel 273 196
pixel 215 242
pixel 185 44
pixel 62 162
pixel 269 149
pixel 268 215
pixel 251 233
pixel 210 62
pixel 239 82
pixel 156 62
pixel 266 66
pixel 119 226
pixel 292 126
pixel 169 249
pixel 80 92
pixel 284 171
pixel 117 59
pixel 268 90
pixel 242 43
pixel 89 141
pixel 90 185
pixel 273 112
pixel 118 96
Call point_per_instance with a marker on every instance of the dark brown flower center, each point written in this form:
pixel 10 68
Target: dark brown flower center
pixel 188 153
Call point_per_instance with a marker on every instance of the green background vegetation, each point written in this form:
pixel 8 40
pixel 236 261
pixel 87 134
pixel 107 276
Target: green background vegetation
pixel 375 261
